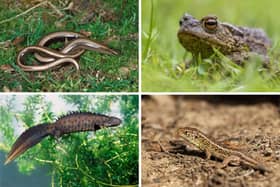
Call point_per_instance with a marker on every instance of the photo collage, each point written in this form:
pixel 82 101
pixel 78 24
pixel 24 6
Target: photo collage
pixel 139 93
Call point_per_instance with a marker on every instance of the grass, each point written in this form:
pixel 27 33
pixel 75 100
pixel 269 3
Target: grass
pixel 163 56
pixel 117 26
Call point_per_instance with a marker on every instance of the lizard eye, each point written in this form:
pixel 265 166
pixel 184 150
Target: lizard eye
pixel 210 23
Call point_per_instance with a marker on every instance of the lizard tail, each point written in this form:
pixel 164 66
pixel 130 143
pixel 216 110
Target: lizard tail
pixel 262 168
pixel 27 139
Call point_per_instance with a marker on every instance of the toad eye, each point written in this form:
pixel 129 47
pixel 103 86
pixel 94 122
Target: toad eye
pixel 180 22
pixel 210 24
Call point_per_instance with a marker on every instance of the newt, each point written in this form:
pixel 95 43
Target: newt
pixel 69 123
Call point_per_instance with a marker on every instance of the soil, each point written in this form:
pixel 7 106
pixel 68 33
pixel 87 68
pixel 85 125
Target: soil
pixel 250 124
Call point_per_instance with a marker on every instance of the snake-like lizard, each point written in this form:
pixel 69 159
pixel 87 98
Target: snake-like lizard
pixel 50 58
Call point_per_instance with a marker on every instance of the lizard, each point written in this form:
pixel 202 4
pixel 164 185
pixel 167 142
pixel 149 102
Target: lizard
pixel 229 156
pixel 66 124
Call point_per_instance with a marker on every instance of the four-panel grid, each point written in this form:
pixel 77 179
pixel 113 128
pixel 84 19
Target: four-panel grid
pixel 152 93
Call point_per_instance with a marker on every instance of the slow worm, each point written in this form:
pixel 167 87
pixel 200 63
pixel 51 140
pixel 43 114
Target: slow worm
pixel 75 46
pixel 57 36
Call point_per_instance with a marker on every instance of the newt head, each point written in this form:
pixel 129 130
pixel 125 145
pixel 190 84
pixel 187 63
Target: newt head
pixel 111 122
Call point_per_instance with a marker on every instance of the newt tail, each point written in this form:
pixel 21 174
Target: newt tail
pixel 70 123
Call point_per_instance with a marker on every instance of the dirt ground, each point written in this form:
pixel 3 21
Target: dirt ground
pixel 250 124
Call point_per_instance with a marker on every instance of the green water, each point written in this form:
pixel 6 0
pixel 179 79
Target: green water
pixel 10 177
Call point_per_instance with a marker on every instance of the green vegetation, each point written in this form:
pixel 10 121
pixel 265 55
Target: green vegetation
pixel 163 56
pixel 109 157
pixel 114 23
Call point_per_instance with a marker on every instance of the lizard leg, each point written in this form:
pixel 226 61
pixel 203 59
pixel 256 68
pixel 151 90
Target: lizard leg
pixel 208 154
pixel 234 160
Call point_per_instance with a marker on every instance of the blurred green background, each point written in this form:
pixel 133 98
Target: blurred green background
pixel 162 54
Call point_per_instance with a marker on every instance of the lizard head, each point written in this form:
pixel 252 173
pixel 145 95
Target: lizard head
pixel 191 135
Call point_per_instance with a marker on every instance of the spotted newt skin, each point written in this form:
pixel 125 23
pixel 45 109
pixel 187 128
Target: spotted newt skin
pixel 78 122
pixel 204 143
pixel 70 123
